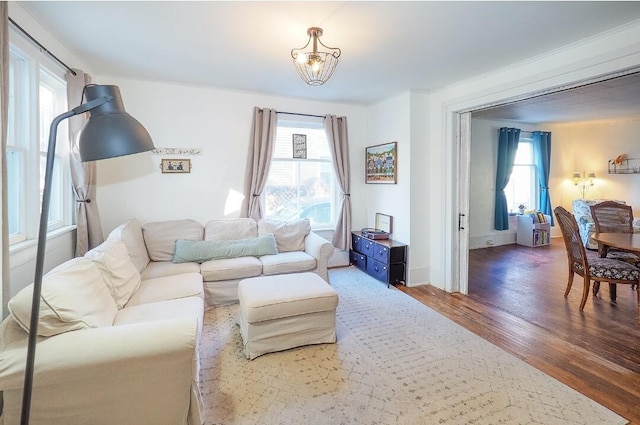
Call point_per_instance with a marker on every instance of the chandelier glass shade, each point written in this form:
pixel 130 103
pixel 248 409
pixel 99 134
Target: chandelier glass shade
pixel 315 66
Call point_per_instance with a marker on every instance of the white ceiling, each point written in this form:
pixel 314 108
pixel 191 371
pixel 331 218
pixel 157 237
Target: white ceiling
pixel 387 46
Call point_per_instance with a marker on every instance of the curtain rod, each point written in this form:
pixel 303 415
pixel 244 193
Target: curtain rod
pixel 41 46
pixel 302 115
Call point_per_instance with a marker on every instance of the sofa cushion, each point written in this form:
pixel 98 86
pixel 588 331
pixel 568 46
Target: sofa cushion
pixel 287 262
pixel 167 268
pixel 289 235
pixel 130 233
pixel 73 297
pixel 160 237
pixel 230 229
pixel 230 268
pixel 201 251
pixel 161 310
pixel 117 270
pixel 168 288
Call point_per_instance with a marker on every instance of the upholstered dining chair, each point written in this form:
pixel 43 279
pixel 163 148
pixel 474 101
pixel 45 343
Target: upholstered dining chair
pixel 592 268
pixel 614 217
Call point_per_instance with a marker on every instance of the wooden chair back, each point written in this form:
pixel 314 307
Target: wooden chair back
pixel 571 235
pixel 612 217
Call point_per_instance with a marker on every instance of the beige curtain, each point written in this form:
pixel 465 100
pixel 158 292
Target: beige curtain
pixel 263 133
pixel 83 174
pixel 4 114
pixel 336 129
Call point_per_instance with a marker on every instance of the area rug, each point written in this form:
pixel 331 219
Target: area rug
pixel 396 362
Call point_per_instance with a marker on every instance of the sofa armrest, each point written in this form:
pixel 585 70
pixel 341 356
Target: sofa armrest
pixel 111 369
pixel 320 249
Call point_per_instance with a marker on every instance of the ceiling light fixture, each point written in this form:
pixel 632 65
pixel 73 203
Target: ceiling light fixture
pixel 315 67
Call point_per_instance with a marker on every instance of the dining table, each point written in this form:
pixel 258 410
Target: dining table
pixel 625 241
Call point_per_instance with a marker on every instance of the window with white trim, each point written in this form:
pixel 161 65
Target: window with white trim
pixel 37 94
pixel 522 188
pixel 303 186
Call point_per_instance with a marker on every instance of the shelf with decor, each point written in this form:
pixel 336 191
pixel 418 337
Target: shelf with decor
pixel 624 166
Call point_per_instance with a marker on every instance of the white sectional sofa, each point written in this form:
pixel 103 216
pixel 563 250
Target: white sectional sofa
pixel 119 328
pixel 152 248
pixel 112 348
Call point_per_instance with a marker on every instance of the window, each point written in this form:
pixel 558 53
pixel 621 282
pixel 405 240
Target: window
pixel 37 94
pixel 297 187
pixel 522 188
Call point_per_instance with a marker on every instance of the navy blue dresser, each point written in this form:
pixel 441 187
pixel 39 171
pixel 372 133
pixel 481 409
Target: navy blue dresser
pixel 383 259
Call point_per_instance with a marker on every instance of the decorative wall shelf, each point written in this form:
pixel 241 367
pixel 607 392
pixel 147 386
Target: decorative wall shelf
pixel 628 166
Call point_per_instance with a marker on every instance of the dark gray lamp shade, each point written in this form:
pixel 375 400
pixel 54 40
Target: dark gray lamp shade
pixel 110 131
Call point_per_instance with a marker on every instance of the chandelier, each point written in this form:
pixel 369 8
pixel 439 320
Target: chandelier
pixel 315 67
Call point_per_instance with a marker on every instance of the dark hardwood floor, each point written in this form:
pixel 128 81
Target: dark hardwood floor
pixel 516 302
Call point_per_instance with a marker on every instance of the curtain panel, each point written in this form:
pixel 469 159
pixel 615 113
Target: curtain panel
pixel 263 134
pixel 83 174
pixel 4 115
pixel 337 134
pixel 508 139
pixel 542 158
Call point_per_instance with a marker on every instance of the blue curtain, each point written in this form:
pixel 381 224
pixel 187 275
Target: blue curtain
pixel 507 146
pixel 542 158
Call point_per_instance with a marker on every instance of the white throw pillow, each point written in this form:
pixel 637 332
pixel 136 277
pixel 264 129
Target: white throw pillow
pixel 118 271
pixel 73 297
pixel 161 236
pixel 130 233
pixel 289 235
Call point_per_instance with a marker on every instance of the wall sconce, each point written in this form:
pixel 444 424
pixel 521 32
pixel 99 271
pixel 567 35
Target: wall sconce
pixel 583 183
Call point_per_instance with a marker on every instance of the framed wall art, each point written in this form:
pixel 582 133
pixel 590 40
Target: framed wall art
pixel 382 163
pixel 173 166
pixel 300 146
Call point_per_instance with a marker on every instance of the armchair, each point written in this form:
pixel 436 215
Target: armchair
pixel 586 225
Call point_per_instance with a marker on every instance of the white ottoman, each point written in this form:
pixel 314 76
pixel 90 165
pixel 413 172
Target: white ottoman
pixel 286 311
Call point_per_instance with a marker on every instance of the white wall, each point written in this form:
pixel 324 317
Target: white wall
pixel 214 120
pixel 589 147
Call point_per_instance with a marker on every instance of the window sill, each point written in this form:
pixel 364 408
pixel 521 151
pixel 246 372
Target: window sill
pixel 21 246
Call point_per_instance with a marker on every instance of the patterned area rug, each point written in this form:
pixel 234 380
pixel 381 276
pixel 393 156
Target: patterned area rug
pixel 396 362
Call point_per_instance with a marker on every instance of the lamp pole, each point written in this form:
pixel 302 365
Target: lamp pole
pixel 120 134
pixel 42 241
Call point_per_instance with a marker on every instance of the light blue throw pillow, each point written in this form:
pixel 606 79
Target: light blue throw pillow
pixel 201 251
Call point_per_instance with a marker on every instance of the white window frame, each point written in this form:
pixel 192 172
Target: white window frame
pixel 533 171
pixel 315 123
pixel 31 68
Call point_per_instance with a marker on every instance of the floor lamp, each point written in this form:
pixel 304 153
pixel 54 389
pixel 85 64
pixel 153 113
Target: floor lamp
pixel 109 132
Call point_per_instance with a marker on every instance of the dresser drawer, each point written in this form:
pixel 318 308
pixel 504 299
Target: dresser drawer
pixel 356 243
pixel 378 270
pixel 380 253
pixel 367 247
pixel 358 260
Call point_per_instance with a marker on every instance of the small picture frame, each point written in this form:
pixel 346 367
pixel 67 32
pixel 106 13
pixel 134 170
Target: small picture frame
pixel 173 166
pixel 381 164
pixel 300 146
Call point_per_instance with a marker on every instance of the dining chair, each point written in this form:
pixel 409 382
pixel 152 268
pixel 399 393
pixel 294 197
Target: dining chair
pixel 614 217
pixel 591 268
